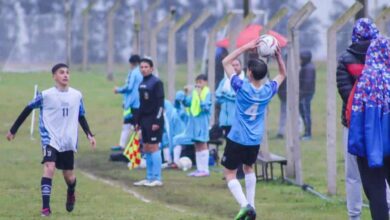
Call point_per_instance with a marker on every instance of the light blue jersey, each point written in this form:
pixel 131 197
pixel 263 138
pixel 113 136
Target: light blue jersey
pixel 251 103
pixel 130 89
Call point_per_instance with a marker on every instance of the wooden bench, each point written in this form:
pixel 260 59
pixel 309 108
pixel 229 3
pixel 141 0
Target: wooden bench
pixel 266 162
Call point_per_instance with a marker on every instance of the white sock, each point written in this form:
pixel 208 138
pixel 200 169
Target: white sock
pixel 238 194
pixel 250 185
pixel 126 128
pixel 167 155
pixel 198 161
pixel 204 158
pixel 176 153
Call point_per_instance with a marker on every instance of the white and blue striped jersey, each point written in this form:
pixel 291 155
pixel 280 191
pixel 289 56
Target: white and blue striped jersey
pixel 59 117
pixel 251 103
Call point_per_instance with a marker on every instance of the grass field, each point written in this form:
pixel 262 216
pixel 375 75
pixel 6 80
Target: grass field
pixel 181 197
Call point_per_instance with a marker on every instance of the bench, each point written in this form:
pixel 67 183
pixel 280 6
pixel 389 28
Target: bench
pixel 266 161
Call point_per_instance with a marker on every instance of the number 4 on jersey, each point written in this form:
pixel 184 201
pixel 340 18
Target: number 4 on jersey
pixel 252 111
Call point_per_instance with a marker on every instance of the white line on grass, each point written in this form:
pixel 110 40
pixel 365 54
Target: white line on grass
pixel 126 189
pixel 116 184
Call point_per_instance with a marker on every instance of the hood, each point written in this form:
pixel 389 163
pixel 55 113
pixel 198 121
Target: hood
pixel 305 57
pixel 364 30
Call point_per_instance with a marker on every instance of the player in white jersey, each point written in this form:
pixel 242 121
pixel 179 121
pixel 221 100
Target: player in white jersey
pixel 61 110
pixel 243 141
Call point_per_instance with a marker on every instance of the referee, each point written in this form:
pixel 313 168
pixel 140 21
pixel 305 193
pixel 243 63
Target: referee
pixel 151 122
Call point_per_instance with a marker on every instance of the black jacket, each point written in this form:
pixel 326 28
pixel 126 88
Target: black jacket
pixel 350 62
pixel 307 75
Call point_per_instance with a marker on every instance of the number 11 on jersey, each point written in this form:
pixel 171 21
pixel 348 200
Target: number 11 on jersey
pixel 65 112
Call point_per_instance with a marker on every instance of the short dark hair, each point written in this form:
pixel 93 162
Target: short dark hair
pixel 134 59
pixel 258 68
pixel 147 60
pixel 201 77
pixel 58 66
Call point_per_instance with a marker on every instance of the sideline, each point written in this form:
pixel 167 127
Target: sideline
pixel 126 189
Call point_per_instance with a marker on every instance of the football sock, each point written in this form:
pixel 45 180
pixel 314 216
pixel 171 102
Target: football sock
pixel 176 154
pixel 236 189
pixel 204 160
pixel 250 185
pixel 167 155
pixel 126 128
pixel 156 168
pixel 198 161
pixel 71 187
pixel 45 191
pixel 149 167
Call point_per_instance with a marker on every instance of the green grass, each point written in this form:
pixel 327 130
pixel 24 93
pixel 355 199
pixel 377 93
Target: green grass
pixel 206 198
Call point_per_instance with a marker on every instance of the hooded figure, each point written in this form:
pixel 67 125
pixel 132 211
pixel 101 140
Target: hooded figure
pixel 307 82
pixel 349 69
pixel 369 135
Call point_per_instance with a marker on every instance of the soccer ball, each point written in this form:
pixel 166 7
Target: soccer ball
pixel 184 163
pixel 267 45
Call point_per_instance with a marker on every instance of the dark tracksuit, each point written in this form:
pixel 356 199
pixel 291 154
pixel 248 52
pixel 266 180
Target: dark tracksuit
pixel 307 80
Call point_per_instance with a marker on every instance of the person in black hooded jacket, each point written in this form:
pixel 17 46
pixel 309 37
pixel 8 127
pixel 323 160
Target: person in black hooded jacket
pixel 307 82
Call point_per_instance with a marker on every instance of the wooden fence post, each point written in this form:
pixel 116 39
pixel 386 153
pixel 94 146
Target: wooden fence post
pixel 110 40
pixel 191 45
pixel 269 26
pixel 293 148
pixel 172 55
pixel 86 12
pixel 153 40
pixel 211 55
pixel 146 38
pixel 381 20
pixel 331 105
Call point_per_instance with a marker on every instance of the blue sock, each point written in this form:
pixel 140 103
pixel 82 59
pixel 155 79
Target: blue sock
pixel 149 167
pixel 45 191
pixel 157 162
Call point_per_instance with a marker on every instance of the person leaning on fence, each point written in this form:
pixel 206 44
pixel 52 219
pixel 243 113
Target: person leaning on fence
pixel 307 82
pixel 350 66
pixel 130 100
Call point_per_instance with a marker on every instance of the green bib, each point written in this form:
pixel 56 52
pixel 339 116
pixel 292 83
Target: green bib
pixel 195 102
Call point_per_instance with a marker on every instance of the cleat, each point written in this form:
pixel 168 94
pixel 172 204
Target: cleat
pixel 193 173
pixel 70 201
pixel 154 183
pixel 246 213
pixel 201 174
pixel 141 183
pixel 117 148
pixel 251 214
pixel 45 212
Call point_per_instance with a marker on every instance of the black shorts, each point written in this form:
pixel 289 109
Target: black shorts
pixel 149 136
pixel 131 120
pixel 236 154
pixel 64 160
